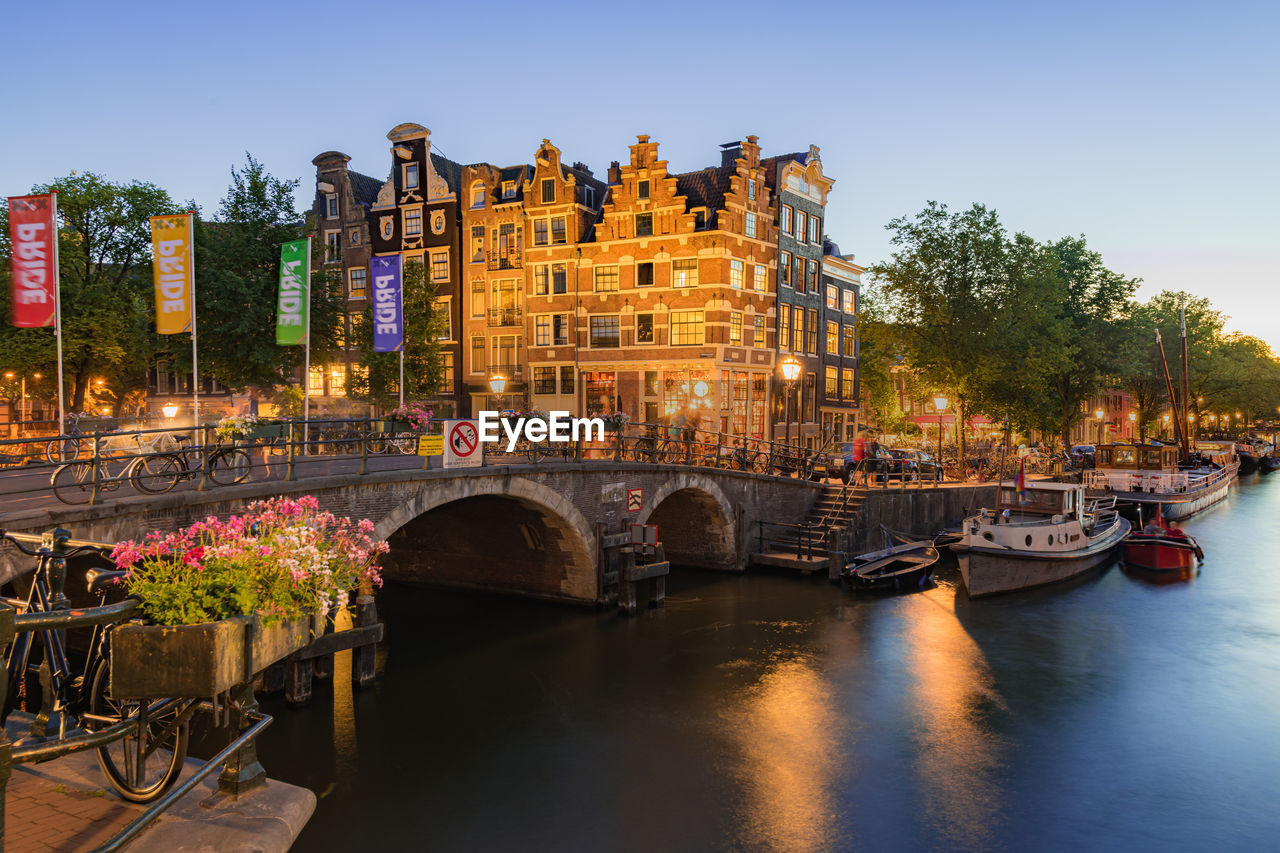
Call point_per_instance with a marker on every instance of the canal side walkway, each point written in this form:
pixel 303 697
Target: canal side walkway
pixel 65 806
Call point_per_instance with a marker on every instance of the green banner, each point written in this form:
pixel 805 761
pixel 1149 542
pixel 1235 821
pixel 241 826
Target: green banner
pixel 295 294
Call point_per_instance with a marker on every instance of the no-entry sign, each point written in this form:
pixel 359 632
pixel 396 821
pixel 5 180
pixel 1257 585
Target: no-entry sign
pixel 462 444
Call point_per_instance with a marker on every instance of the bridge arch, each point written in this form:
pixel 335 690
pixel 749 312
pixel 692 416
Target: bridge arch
pixel 507 533
pixel 697 524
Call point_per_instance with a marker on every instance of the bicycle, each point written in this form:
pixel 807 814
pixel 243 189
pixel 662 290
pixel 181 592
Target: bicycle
pixel 73 482
pixel 146 762
pixel 156 474
pixel 69 445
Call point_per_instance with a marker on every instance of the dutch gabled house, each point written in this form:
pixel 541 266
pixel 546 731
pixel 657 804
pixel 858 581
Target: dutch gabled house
pixel 839 400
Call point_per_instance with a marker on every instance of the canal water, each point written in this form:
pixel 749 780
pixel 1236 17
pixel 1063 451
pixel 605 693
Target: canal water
pixel 772 712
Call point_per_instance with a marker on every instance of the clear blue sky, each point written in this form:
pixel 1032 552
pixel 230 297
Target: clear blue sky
pixel 1149 127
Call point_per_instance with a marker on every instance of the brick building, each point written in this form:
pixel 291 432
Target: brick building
pixel 839 392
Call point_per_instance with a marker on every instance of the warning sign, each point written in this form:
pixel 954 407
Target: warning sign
pixel 430 445
pixel 635 499
pixel 462 445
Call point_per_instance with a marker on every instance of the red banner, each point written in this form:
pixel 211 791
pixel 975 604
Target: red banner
pixel 32 228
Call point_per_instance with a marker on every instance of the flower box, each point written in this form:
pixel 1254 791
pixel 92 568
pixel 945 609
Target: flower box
pixel 153 661
pixel 389 426
pixel 261 431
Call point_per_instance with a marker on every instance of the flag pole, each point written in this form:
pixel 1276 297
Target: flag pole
pixel 306 362
pixel 195 364
pixel 402 374
pixel 57 318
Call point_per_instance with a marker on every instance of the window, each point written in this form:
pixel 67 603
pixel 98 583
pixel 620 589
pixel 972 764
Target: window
pixel 751 188
pixel 550 278
pixel 798 318
pixel 604 332
pixel 850 305
pixel 413 222
pixel 331 206
pixel 508 190
pixel 735 328
pixel 644 274
pixel 443 306
pixel 684 272
pixel 332 246
pixel 477 354
pixel 477 244
pixel 800 225
pixel 548 190
pixel 559 278
pixel 315 381
pixel 357 283
pixel 540 232
pixel 410 176
pixel 833 338
pixel 601 392
pixel 815 230
pixel 644 328
pixel 509 245
pixel 340 332
pixel 757 278
pixel 846 379
pixel 832 383
pixel 589 196
pixel 566 379
pixel 759 324
pixel 642 189
pixel 504 353
pixel 607 278
pixel 338 380
pixel 644 224
pixel 541 276
pixel 811 338
pixel 786 218
pixel 751 224
pixel 477 194
pixel 551 330
pixel 735 274
pixel 440 265
pixel 699 220
pixel 833 296
pixel 504 299
pixel 784 327
pixel 847 342
pixel 557 230
pixel 686 328
pixel 813 276
pixel 477 298
pixel 544 380
pixel 784 268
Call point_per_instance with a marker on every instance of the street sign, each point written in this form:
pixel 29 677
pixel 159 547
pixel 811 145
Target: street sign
pixel 430 445
pixel 462 445
pixel 635 499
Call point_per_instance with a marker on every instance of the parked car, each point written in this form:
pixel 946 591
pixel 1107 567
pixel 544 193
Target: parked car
pixel 1083 455
pixel 916 465
pixel 843 465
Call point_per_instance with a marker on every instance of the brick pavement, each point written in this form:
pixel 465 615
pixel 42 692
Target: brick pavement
pixel 44 815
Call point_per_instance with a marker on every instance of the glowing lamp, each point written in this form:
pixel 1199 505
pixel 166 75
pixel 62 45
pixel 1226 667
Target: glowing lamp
pixel 700 388
pixel 497 383
pixel 790 369
pixel 940 402
pixel 169 410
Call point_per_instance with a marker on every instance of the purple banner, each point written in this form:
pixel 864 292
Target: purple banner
pixel 388 303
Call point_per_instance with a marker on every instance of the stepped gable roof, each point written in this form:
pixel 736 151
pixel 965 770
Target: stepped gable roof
pixel 705 188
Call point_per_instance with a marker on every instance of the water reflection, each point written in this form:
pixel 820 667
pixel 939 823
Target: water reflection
pixel 952 692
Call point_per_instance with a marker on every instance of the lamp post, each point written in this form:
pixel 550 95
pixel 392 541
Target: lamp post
pixel 1168 421
pixel 1133 418
pixel 23 412
pixel 1098 413
pixel 498 384
pixel 940 403
pixel 169 410
pixel 790 373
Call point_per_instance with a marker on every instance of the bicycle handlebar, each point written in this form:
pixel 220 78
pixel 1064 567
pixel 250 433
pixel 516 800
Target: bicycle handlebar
pixel 75 547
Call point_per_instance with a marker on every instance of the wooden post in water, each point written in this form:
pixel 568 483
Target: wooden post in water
pixel 362 657
pixel 626 586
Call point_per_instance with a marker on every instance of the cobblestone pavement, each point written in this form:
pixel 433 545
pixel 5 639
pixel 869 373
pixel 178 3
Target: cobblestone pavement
pixel 43 815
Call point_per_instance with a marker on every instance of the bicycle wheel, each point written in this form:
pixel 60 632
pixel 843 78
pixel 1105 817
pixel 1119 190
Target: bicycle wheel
pixel 62 450
pixel 145 763
pixel 377 442
pixel 73 482
pixel 404 445
pixel 229 466
pixel 155 475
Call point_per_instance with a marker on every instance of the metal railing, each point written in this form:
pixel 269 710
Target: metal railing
pixel 806 539
pixel 510 260
pixel 506 316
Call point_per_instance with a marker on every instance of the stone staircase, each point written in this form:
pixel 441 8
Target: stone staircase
pixel 834 511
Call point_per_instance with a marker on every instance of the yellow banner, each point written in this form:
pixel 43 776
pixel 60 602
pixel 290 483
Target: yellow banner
pixel 173 271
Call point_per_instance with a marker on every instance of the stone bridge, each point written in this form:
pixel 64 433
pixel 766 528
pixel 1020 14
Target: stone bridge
pixel 534 530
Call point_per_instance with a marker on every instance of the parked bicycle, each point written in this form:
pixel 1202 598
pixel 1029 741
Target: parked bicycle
pixel 70 444
pixel 77 482
pixel 147 760
pixel 158 473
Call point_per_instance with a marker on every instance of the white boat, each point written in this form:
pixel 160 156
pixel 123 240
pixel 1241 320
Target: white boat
pixel 1149 475
pixel 1043 535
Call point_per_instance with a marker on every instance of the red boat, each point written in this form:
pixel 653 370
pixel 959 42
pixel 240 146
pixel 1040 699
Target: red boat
pixel 1161 549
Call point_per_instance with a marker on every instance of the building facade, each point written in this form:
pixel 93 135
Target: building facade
pixel 839 392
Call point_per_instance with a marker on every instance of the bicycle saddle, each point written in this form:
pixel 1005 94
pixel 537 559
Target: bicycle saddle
pixel 97 579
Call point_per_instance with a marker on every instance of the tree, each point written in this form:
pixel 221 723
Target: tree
pixel 104 249
pixel 377 380
pixel 237 277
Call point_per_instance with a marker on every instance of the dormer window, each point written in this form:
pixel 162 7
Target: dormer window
pixel 508 189
pixel 331 206
pixel 410 176
pixel 751 188
pixel 477 194
pixel 699 220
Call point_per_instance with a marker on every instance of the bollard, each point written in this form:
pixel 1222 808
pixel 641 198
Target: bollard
pixel 289 473
pixel 242 772
pixel 204 457
pixel 97 468
pixel 364 445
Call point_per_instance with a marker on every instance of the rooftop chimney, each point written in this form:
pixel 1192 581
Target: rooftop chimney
pixel 615 173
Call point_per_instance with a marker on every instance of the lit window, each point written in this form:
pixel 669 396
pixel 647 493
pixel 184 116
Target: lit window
pixel 759 324
pixel 797 317
pixel 315 381
pixel 684 272
pixel 446 372
pixel 477 194
pixel 413 222
pixel 751 224
pixel 735 274
pixel 833 338
pixel 757 277
pixel 833 296
pixel 644 328
pixel 604 332
pixel 410 176
pixel 833 382
pixel 548 190
pixel 735 328
pixel 811 339
pixel 477 354
pixel 850 307
pixel 544 380
pixel 686 328
pixel 784 327
pixel 784 268
pixel 846 377
pixel 477 298
pixel 606 278
pixel 357 283
pixel 847 342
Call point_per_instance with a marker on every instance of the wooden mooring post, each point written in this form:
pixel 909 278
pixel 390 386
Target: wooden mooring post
pixel 651 569
pixel 295 674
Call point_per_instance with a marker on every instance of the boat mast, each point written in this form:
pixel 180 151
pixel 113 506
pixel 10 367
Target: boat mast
pixel 1179 422
pixel 1186 384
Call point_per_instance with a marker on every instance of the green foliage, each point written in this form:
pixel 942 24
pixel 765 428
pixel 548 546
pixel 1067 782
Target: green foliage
pixel 377 380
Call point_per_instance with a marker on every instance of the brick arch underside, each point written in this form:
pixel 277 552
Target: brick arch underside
pixel 696 524
pixel 517 537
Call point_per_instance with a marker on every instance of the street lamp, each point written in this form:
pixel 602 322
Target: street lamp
pixel 940 403
pixel 1168 420
pixel 498 384
pixel 790 373
pixel 22 406
pixel 169 410
pixel 1133 419
pixel 1098 413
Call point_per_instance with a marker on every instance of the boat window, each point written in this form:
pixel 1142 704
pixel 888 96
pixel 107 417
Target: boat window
pixel 1028 540
pixel 1037 500
pixel 1126 457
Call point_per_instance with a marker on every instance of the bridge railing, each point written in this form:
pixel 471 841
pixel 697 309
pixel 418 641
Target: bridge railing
pixel 87 468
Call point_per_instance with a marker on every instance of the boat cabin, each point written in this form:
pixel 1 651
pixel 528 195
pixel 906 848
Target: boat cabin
pixel 1137 457
pixel 1042 499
